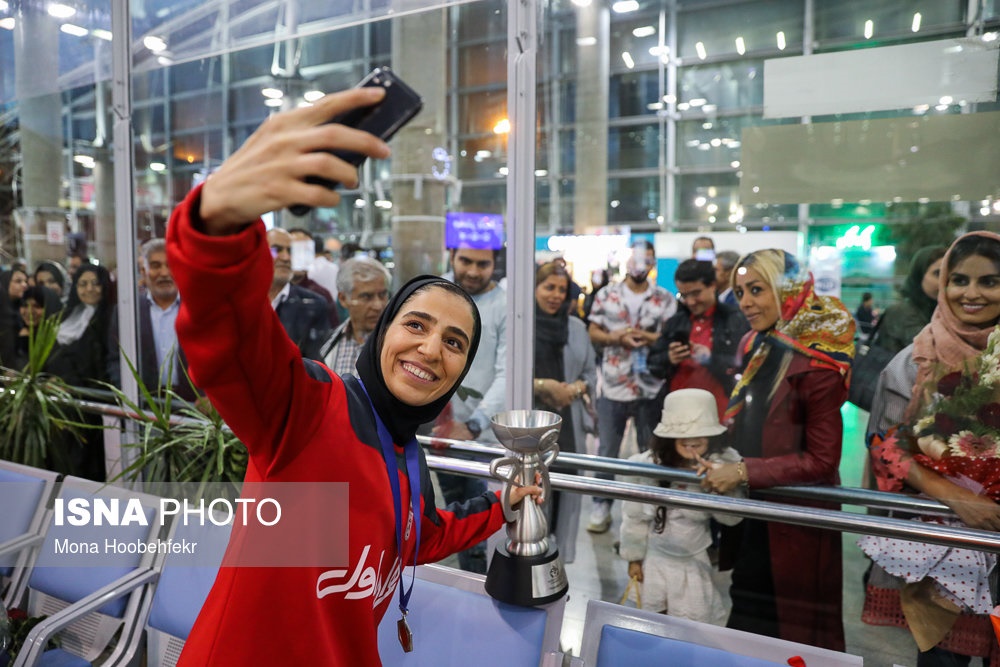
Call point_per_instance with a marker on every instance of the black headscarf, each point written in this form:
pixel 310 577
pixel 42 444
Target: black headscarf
pixel 551 334
pixel 401 419
pixel 912 289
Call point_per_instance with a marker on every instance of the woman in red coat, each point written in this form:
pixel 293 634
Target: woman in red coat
pixel 785 417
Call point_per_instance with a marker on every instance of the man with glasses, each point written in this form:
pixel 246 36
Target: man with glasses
pixel 302 312
pixel 698 346
pixel 363 290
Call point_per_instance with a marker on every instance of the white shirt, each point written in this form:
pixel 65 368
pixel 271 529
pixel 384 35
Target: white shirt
pixel 281 296
pixel 165 338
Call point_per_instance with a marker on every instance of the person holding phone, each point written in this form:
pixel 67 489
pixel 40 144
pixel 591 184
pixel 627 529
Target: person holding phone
pixel 303 423
pixel 698 346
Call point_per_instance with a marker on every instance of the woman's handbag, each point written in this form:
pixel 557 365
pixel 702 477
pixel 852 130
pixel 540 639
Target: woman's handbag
pixel 868 365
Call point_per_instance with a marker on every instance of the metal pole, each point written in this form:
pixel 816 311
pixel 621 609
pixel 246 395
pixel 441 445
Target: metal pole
pixel 522 40
pixel 124 178
pixel 981 540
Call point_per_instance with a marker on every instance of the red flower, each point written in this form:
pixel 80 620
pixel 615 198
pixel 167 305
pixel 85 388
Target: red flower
pixel 948 384
pixel 989 415
pixel 944 425
pixel 16 614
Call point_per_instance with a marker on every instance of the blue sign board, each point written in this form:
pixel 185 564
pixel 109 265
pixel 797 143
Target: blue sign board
pixel 479 231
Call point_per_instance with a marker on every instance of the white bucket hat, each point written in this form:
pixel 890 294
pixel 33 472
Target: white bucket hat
pixel 689 413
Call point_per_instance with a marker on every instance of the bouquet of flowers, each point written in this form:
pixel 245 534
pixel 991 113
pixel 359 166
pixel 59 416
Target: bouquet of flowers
pixel 15 630
pixel 959 433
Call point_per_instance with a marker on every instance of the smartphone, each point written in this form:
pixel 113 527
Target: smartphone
pixel 399 106
pixel 682 337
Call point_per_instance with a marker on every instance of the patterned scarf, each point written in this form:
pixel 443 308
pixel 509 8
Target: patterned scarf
pixel 820 327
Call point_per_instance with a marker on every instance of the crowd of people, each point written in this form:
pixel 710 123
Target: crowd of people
pixel 740 377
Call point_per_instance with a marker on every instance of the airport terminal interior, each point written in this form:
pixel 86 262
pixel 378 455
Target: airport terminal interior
pixel 850 134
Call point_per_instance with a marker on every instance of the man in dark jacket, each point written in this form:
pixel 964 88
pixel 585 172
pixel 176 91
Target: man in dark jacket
pixel 699 344
pixel 302 312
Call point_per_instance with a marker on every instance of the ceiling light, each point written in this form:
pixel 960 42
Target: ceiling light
pixel 741 46
pixel 502 127
pixel 625 6
pixel 581 3
pixel 157 166
pixel 7 23
pixel 586 41
pixel 312 95
pixel 541 173
pixel 272 93
pixel 700 48
pixel 154 43
pixel 946 99
pixel 697 102
pixel 915 26
pixel 989 37
pixel 781 40
pixel 869 29
pixel 61 11
pixel 627 58
pixel 503 171
pixel 102 34
pixel 644 31
pixel 273 102
pixel 3 6
pixel 165 61
pixel 74 30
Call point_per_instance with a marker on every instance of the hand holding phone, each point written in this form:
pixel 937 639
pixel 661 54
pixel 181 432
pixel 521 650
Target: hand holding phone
pixel 399 106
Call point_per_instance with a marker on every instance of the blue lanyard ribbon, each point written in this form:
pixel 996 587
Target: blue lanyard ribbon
pixel 411 451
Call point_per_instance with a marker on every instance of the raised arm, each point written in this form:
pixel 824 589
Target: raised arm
pixel 236 348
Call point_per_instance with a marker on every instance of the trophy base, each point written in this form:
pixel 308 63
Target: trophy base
pixel 527 581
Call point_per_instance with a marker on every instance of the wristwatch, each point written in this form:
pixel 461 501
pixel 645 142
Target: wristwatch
pixel 474 428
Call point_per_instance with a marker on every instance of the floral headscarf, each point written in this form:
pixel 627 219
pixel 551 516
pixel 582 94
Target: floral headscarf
pixel 819 327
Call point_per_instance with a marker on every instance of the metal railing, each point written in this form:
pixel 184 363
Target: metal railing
pixel 852 522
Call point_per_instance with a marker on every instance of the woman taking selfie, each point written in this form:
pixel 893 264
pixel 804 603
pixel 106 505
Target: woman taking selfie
pixel 786 423
pixel 303 423
pixel 565 371
pixel 947 448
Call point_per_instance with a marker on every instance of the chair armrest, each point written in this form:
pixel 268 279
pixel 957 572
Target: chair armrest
pixel 34 644
pixel 18 543
pixel 552 659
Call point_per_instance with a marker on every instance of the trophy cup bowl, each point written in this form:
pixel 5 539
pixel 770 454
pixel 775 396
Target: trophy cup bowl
pixel 526 569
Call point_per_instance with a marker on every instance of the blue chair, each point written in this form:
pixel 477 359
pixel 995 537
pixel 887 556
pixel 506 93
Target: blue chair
pixel 89 597
pixel 614 635
pixel 183 587
pixel 453 619
pixel 25 495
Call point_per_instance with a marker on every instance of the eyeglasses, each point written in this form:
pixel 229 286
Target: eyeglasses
pixel 278 249
pixel 693 294
pixel 368 297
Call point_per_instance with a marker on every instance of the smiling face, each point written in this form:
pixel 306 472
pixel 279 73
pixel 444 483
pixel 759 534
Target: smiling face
pixel 697 296
pixel 88 288
pixel 973 291
pixel 551 293
pixel 757 300
pixel 159 280
pixel 426 346
pixel 32 312
pixel 18 283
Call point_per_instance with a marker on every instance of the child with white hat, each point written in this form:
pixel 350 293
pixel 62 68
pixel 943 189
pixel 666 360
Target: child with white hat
pixel 667 547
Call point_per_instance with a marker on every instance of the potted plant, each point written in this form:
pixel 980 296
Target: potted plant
pixel 188 444
pixel 36 407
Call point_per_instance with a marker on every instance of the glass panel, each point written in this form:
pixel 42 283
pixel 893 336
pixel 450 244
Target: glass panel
pixel 707 88
pixel 740 28
pixel 633 200
pixel 871 21
pixel 632 94
pixel 634 147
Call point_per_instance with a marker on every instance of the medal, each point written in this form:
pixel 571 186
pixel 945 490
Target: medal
pixel 405 635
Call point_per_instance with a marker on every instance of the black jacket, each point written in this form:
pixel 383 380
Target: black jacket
pixel 728 328
pixel 306 320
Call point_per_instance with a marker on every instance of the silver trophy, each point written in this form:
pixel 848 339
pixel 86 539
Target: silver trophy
pixel 526 570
